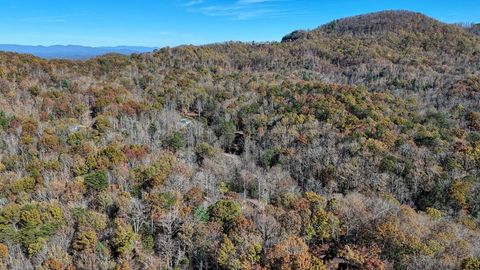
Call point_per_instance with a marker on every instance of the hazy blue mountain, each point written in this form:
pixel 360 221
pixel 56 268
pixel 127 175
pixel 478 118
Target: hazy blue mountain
pixel 72 51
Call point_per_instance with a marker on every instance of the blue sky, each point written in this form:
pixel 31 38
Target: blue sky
pixel 173 22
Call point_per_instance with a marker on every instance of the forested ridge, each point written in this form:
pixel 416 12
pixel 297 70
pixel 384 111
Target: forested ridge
pixel 355 145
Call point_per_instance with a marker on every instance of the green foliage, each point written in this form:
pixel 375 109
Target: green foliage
pixel 90 219
pixel 34 90
pixel 124 239
pixel 102 124
pixel 11 213
pixel 226 129
pixel 148 242
pixel 203 150
pixel 166 200
pixel 176 141
pixel 408 168
pixel 426 138
pixel 388 164
pixel 270 158
pixel 4 120
pixel 156 174
pixel 152 129
pixel 31 225
pixel 441 120
pixel 224 211
pixel 323 226
pixel 97 181
pixel 201 214
pixel 112 154
pixel 65 84
pixel 75 139
pixel 435 197
pixel 287 200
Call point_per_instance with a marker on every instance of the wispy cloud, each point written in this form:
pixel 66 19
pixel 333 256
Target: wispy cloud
pixel 193 3
pixel 255 1
pixel 241 9
pixel 46 19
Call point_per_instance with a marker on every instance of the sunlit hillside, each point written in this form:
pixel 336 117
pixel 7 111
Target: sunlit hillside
pixel 355 145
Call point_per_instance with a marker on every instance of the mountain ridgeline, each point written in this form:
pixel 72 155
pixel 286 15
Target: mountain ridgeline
pixel 73 52
pixel 355 145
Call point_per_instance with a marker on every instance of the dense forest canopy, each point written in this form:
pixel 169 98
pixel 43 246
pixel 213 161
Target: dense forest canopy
pixel 352 146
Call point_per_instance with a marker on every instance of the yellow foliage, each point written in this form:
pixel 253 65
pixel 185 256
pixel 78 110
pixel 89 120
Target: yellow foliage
pixel 31 217
pixel 85 241
pixel 324 225
pixel 389 231
pixel 26 184
pixel 3 251
pixel 227 255
pixel 36 246
pixel 434 213
pixel 313 197
pixel 125 238
pixel 459 192
pixel 352 255
pixel 11 212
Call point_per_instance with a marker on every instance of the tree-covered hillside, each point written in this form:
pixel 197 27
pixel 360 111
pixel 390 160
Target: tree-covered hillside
pixel 352 146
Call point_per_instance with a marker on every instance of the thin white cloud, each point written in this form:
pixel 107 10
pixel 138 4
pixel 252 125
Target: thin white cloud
pixel 193 3
pixel 240 9
pixel 46 19
pixel 246 2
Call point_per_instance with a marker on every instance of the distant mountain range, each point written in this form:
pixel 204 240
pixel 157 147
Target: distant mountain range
pixel 74 52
